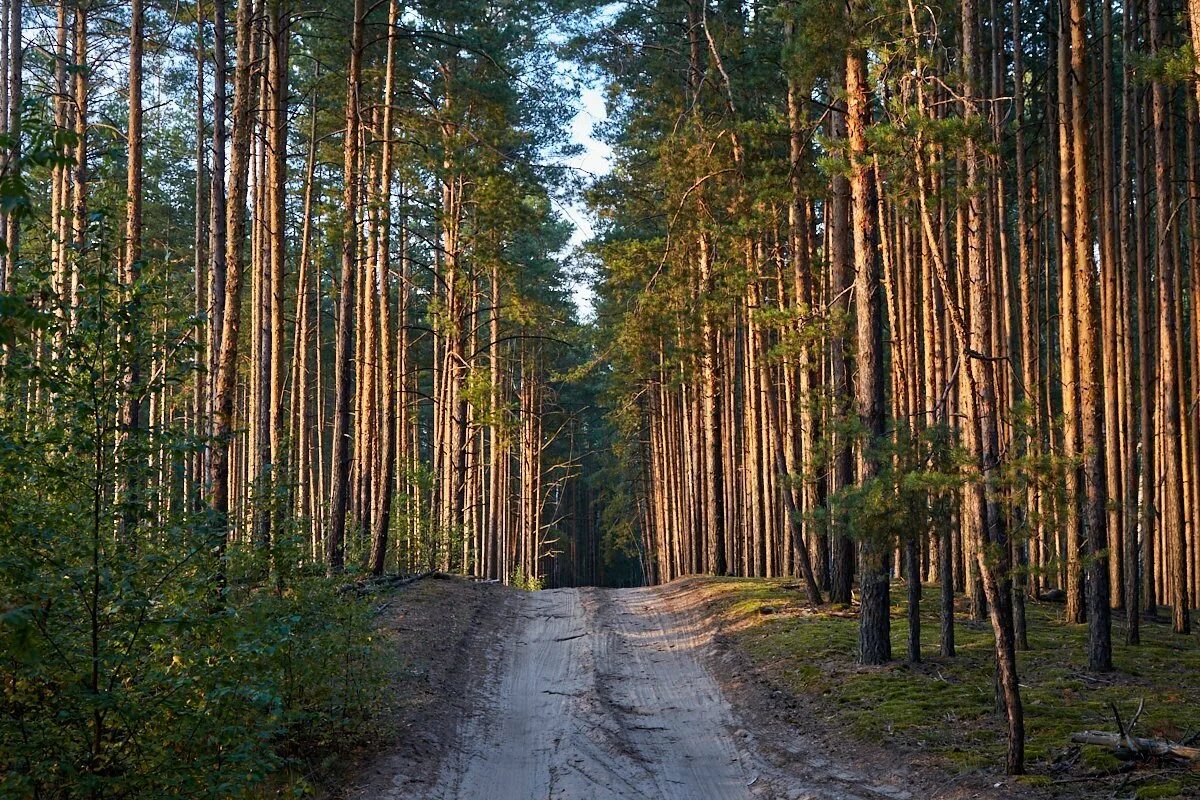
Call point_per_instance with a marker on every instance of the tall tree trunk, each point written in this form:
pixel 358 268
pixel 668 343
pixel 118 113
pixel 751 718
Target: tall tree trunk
pixel 277 79
pixel 874 636
pixel 131 267
pixel 200 268
pixel 1130 135
pixel 1090 400
pixel 379 545
pixel 235 227
pixel 307 317
pixel 1068 325
pixel 713 529
pixel 343 366
pixel 15 105
pixel 838 227
pixel 1027 283
pixel 993 560
pixel 218 204
pixel 1174 520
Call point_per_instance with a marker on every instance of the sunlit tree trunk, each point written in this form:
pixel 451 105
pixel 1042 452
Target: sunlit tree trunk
pixel 343 366
pixel 838 226
pixel 1173 517
pixel 225 387
pixel 383 514
pixel 874 642
pixel 993 561
pixel 1090 358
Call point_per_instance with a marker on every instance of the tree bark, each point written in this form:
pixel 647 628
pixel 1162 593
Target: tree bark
pixel 1090 357
pixel 875 645
pixel 343 366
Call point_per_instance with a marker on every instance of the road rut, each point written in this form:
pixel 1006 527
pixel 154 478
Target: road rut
pixel 606 694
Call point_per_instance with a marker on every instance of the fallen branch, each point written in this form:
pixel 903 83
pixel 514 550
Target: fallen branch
pixel 1127 746
pixel 383 582
pixel 454 576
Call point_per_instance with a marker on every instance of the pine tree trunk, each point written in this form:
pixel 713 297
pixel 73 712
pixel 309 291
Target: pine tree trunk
pixel 1131 128
pixel 130 274
pixel 277 173
pixel 235 224
pixel 1027 301
pixel 387 446
pixel 343 366
pixel 1090 358
pixel 874 644
pixel 15 103
pixel 200 269
pixel 1173 516
pixel 994 566
pixel 838 225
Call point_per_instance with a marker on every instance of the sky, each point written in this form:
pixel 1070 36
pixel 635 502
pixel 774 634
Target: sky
pixel 594 159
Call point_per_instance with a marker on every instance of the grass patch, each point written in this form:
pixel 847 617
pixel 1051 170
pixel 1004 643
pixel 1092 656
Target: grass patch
pixel 947 706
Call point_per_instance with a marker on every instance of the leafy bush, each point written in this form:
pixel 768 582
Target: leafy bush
pixel 529 583
pixel 139 658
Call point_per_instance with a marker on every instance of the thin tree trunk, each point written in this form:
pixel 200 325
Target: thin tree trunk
pixel 379 546
pixel 1174 519
pixel 131 268
pixel 235 226
pixel 995 577
pixel 838 223
pixel 343 366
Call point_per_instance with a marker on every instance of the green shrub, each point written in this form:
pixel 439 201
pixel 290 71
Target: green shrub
pixel 527 582
pixel 138 658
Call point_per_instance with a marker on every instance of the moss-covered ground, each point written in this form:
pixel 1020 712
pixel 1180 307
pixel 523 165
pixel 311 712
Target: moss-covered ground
pixel 945 707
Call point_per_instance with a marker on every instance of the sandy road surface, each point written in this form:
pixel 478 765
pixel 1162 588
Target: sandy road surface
pixel 599 696
pixel 602 694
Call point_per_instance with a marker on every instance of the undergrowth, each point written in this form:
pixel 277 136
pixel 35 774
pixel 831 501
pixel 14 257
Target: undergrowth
pixel 947 706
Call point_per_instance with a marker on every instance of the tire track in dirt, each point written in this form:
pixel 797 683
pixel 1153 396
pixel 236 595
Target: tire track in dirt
pixel 604 694
pixel 607 694
pixel 598 696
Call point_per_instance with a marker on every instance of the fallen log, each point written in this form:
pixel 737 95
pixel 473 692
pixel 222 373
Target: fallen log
pixel 454 576
pixel 1135 746
pixel 372 585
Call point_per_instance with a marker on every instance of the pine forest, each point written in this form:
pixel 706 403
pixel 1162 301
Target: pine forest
pixel 349 350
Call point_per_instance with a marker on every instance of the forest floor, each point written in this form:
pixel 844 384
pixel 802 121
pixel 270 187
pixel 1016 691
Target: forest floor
pixel 585 694
pixel 940 713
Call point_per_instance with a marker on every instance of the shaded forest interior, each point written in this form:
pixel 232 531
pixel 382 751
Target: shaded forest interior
pixel 884 293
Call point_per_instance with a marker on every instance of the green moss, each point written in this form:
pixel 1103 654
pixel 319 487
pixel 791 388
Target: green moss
pixel 1098 759
pixel 1161 790
pixel 947 706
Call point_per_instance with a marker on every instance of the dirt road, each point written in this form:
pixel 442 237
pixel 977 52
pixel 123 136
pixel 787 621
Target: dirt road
pixel 599 696
pixel 606 694
pixel 603 694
